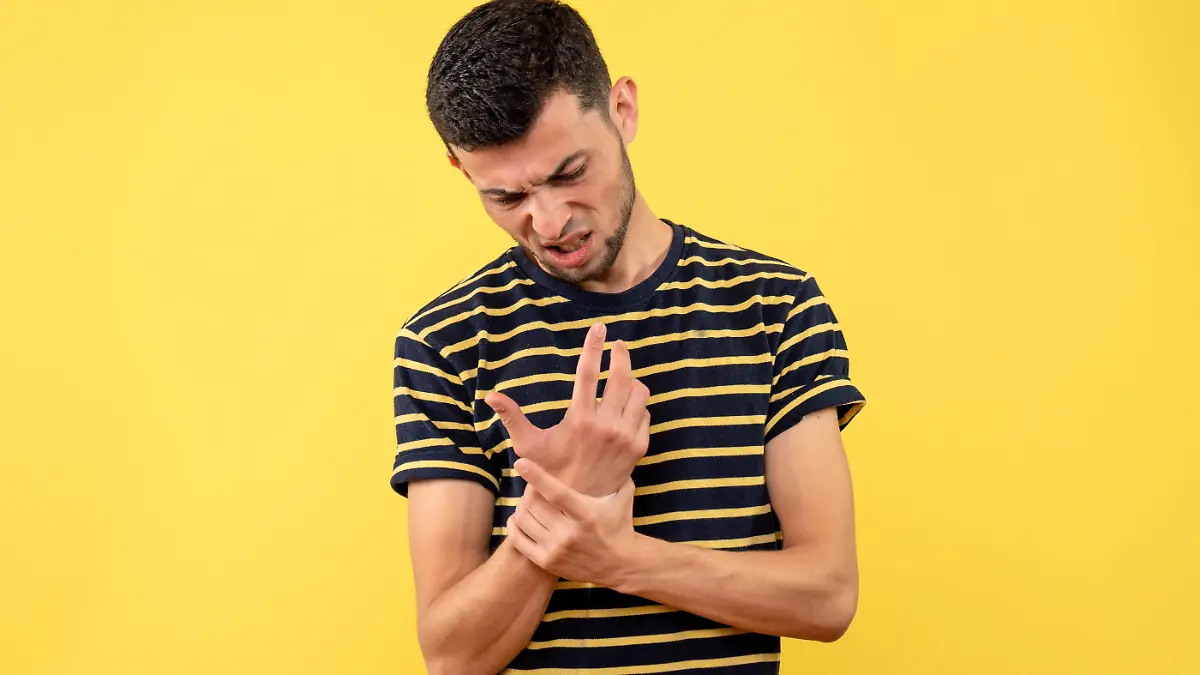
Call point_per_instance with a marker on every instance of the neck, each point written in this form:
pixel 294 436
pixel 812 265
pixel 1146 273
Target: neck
pixel 647 242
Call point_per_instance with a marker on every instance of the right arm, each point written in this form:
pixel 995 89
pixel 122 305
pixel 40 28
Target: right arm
pixel 475 613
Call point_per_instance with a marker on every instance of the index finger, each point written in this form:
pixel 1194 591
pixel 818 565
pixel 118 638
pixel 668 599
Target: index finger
pixel 550 488
pixel 587 373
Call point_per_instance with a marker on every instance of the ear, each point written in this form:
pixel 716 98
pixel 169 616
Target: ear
pixel 623 108
pixel 456 164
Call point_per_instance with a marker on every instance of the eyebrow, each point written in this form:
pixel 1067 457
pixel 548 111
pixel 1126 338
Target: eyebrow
pixel 501 192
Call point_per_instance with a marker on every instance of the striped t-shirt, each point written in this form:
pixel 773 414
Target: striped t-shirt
pixel 734 346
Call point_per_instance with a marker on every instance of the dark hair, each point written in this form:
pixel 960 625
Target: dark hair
pixel 496 67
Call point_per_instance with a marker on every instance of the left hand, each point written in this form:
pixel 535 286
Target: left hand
pixel 568 533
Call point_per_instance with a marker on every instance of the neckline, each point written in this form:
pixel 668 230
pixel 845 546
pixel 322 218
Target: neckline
pixel 607 301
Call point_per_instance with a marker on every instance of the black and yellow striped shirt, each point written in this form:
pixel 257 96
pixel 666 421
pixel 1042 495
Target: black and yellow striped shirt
pixel 735 347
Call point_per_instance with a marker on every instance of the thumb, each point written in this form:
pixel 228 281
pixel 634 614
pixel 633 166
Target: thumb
pixel 518 426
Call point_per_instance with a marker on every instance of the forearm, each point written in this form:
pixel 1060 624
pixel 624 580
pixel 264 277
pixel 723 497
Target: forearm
pixel 481 623
pixel 797 592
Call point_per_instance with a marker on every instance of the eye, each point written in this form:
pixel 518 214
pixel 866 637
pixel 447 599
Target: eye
pixel 573 176
pixel 508 199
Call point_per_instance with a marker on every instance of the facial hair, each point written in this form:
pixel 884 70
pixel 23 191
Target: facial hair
pixel 612 244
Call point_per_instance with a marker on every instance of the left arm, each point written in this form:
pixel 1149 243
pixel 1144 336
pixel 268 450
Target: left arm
pixel 808 590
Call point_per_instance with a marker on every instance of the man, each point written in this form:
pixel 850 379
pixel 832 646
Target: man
pixel 620 441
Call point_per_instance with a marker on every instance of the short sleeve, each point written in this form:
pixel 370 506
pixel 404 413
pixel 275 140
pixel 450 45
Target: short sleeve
pixel 812 365
pixel 435 431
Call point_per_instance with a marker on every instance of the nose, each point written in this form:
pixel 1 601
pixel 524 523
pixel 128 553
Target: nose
pixel 549 214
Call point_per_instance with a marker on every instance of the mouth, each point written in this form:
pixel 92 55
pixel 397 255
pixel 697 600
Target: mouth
pixel 570 254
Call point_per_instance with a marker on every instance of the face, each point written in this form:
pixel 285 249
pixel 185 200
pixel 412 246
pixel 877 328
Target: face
pixel 564 192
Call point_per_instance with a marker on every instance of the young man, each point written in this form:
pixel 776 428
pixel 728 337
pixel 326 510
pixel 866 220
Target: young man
pixel 695 509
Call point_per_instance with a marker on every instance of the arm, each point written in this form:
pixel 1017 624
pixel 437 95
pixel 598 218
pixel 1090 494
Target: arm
pixel 475 613
pixel 808 590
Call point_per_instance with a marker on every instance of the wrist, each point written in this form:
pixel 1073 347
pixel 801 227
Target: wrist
pixel 633 562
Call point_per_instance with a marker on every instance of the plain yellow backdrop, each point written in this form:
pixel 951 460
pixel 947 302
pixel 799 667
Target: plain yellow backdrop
pixel 215 216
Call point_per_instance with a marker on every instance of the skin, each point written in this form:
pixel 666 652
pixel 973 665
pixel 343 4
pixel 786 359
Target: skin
pixel 477 612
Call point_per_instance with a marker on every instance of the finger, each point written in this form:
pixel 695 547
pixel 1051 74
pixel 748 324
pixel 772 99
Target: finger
pixel 620 380
pixel 518 426
pixel 643 434
pixel 587 372
pixel 635 407
pixel 524 520
pixel 535 506
pixel 551 489
pixel 523 542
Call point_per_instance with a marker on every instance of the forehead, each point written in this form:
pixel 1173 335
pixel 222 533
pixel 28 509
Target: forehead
pixel 561 130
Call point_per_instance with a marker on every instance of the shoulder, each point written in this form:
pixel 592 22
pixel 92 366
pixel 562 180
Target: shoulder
pixel 458 312
pixel 726 263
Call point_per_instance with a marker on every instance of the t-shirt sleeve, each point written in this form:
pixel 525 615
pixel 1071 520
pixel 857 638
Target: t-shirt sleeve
pixel 812 365
pixel 435 431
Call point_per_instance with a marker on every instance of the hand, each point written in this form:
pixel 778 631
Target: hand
pixel 596 445
pixel 573 535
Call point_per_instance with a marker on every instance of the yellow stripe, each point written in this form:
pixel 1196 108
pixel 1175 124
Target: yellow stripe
pixel 527 410
pixel 423 443
pixel 482 289
pixel 485 273
pixel 540 378
pixel 700 452
pixel 683 262
pixel 426 368
pixel 441 464
pixel 727 283
pixel 565 585
pixel 507 501
pixel 702 363
pixel 807 361
pixel 821 328
pixel 854 408
pixel 427 396
pixel 628 316
pixel 734 543
pixel 698 483
pixel 679 516
pixel 820 389
pixel 493 311
pixel 712 244
pixel 703 514
pixel 607 613
pixel 807 304
pixel 707 422
pixel 635 639
pixel 672 667
pixel 635 344
pixel 719 390
pixel 444 426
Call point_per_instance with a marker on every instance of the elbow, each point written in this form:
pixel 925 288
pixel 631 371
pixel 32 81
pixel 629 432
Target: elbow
pixel 834 612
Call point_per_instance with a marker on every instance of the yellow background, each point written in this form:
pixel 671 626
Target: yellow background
pixel 215 216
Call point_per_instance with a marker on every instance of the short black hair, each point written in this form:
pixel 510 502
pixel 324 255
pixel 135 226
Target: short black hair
pixel 496 67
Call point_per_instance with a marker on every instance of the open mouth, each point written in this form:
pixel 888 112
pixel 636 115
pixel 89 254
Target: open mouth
pixel 573 253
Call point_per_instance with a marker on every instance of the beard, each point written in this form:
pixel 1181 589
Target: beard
pixel 611 246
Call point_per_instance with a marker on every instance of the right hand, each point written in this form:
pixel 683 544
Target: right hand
pixel 597 444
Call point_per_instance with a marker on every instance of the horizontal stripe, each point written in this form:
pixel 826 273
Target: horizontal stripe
pixel 684 262
pixel 423 443
pixel 430 397
pixel 712 244
pixel 632 345
pixel 697 664
pixel 734 543
pixel 806 361
pixel 807 304
pixel 584 643
pixel 703 514
pixel 697 484
pixel 483 273
pixel 443 464
pixel 495 338
pixel 444 426
pixel 687 422
pixel 689 453
pixel 819 389
pixel 719 390
pixel 568 585
pixel 482 289
pixel 727 283
pixel 409 364
pixel 711 362
pixel 815 330
pixel 492 311
pixel 679 516
pixel 607 613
